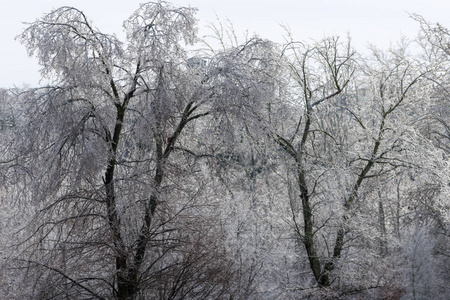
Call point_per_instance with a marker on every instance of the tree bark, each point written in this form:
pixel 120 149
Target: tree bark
pixel 125 287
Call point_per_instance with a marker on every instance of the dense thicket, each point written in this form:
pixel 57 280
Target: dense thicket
pixel 249 171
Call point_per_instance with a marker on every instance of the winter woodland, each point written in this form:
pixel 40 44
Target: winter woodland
pixel 166 166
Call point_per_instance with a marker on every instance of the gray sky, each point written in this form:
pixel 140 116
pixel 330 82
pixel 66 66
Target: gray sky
pixel 380 22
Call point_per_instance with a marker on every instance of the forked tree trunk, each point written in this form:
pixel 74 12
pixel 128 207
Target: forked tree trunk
pixel 128 270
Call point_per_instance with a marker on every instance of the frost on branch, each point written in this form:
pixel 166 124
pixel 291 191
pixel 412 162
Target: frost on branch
pixel 149 170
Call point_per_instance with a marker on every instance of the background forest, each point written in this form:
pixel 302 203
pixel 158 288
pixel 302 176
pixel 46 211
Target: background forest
pixel 170 167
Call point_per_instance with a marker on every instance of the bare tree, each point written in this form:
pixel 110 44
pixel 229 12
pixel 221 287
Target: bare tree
pixel 120 206
pixel 346 130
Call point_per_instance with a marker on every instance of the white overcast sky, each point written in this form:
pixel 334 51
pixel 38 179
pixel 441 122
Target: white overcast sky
pixel 380 22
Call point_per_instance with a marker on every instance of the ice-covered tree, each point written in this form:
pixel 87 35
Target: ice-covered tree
pixel 121 209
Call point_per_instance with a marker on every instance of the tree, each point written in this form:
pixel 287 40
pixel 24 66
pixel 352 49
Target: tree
pixel 319 72
pixel 348 128
pixel 117 201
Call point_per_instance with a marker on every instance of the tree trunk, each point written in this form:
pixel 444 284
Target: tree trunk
pixel 308 239
pixel 125 287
